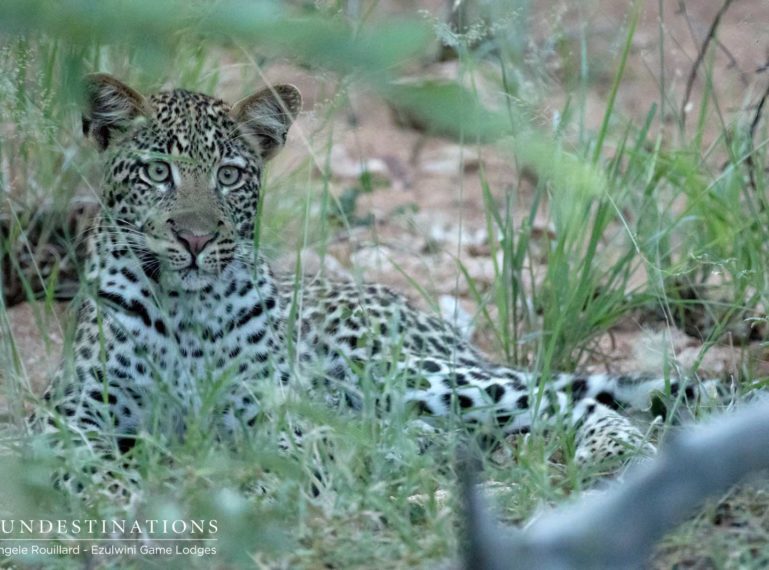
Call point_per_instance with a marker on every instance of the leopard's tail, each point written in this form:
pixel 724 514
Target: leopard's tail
pixel 640 392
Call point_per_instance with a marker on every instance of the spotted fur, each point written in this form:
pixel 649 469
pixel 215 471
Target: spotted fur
pixel 183 318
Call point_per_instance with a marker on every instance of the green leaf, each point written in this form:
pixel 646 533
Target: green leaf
pixel 317 40
pixel 447 108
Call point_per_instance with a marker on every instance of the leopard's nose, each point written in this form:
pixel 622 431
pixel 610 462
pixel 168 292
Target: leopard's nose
pixel 195 243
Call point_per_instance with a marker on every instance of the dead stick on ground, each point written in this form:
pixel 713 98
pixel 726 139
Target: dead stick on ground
pixel 749 162
pixel 618 528
pixel 700 57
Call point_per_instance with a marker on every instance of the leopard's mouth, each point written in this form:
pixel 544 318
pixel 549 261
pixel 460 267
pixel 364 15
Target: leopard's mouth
pixel 214 268
pixel 194 279
pixel 193 276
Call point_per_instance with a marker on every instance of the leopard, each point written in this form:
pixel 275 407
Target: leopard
pixel 181 315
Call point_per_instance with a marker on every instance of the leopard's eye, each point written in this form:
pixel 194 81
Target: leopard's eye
pixel 229 175
pixel 158 171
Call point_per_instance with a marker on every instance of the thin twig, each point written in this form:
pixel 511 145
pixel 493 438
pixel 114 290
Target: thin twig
pixel 749 163
pixel 733 64
pixel 732 60
pixel 701 56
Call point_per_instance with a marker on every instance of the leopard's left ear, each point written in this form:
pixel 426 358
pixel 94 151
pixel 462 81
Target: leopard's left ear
pixel 266 116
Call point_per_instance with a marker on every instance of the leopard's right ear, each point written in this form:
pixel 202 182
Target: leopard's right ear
pixel 109 107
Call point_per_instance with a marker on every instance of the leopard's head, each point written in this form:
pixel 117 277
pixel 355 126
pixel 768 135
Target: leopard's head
pixel 183 175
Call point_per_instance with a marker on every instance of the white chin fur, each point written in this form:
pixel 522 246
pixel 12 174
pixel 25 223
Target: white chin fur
pixel 192 280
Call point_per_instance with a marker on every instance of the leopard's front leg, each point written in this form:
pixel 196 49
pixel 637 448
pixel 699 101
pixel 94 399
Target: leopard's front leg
pixel 89 418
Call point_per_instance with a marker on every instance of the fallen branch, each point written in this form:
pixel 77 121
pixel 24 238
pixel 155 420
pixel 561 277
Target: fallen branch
pixel 619 528
pixel 700 56
pixel 749 162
